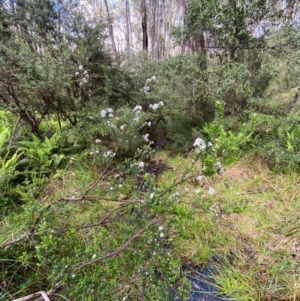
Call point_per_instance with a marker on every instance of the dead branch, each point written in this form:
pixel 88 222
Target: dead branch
pixel 62 231
pixel 14 241
pixel 100 223
pixel 42 293
pixel 177 183
pixel 116 252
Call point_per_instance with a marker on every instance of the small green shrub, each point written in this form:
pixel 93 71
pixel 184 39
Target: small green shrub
pixel 227 144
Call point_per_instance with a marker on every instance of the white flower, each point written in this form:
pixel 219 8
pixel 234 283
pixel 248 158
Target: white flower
pixel 209 144
pixel 109 154
pixel 141 165
pixel 73 275
pixel 111 115
pixel 80 67
pixel 77 73
pixel 161 234
pixel 161 104
pixel 218 164
pixel 146 137
pixel 199 143
pixel 186 189
pixel 122 127
pixel 160 228
pixel 197 190
pixel 85 80
pixel 109 110
pixel 146 89
pixel 94 256
pixel 211 191
pixel 103 113
pixel 85 72
pixel 149 123
pixel 153 78
pixel 154 107
pixel 152 194
pixel 98 141
pixel 137 109
pixel 109 124
pixel 199 178
pixel 91 153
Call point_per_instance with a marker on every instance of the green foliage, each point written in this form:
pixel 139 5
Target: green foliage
pixel 119 133
pixel 40 157
pixel 281 140
pixel 229 145
pixel 8 169
pixel 235 88
pixel 230 24
pixel 88 209
pixel 72 71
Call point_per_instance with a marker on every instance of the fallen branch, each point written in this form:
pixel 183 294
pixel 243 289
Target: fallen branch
pixel 116 252
pixel 42 293
pixel 62 231
pixel 14 241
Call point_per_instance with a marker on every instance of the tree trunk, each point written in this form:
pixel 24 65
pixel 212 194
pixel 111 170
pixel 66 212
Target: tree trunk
pixel 184 7
pixel 128 28
pixel 144 25
pixel 12 6
pixel 110 29
pixel 154 27
pixel 160 30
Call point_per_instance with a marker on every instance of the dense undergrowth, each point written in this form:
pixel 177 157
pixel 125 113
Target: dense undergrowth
pixel 112 179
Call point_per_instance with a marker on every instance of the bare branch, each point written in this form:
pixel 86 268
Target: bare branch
pixel 42 293
pixel 116 252
pixel 177 183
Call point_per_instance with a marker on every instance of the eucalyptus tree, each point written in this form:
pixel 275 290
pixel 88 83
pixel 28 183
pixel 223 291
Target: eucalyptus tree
pixel 110 28
pixel 53 62
pixel 144 24
pixel 232 26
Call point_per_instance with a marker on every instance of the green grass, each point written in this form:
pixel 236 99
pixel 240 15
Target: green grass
pixel 251 224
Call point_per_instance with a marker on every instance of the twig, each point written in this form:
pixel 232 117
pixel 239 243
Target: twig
pixel 177 183
pixel 116 252
pixel 14 241
pixel 32 231
pixel 5 291
pixel 83 197
pixel 143 291
pixel 100 223
pixel 42 293
pixel 65 298
pixel 62 231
